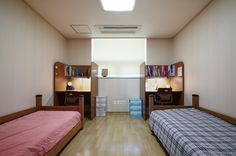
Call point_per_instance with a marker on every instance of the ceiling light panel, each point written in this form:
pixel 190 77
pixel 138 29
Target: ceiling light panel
pixel 118 5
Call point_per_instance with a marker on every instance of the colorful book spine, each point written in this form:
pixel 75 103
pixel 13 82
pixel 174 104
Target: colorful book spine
pixel 151 71
pixel 171 70
pixel 159 70
pixel 146 71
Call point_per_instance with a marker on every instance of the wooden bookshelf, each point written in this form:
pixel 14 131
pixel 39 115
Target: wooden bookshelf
pixel 85 82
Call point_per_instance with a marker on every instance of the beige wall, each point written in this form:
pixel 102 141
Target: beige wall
pixel 118 92
pixel 159 51
pixel 79 51
pixel 207 47
pixel 28 49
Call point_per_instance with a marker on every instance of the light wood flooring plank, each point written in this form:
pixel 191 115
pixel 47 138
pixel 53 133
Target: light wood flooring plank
pixel 114 135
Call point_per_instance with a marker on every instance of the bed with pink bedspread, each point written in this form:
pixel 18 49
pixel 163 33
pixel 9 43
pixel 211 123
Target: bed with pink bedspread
pixel 36 133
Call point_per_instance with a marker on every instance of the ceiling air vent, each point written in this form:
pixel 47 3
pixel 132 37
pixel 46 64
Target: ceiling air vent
pixel 117 28
pixel 81 29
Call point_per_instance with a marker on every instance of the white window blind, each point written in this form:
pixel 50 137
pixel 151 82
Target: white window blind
pixel 122 57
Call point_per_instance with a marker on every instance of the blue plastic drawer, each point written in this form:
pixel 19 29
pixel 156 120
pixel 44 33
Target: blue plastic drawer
pixel 135 108
pixel 135 114
pixel 135 101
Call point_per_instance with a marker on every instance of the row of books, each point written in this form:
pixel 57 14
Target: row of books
pixel 160 70
pixel 72 71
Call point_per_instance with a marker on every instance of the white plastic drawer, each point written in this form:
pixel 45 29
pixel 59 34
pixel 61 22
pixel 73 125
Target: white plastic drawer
pixel 101 99
pixel 101 109
pixel 101 104
pixel 100 112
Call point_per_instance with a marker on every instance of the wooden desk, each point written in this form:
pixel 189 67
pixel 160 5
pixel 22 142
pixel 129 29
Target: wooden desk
pixel 88 107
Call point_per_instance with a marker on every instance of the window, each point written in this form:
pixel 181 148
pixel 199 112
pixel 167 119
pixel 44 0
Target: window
pixel 122 57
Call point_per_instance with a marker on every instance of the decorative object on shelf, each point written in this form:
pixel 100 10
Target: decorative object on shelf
pixel 104 72
pixel 180 71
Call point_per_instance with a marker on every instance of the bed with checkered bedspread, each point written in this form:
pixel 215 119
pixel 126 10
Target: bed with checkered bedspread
pixel 191 132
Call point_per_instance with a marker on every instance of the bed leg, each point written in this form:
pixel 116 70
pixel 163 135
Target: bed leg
pixel 81 103
pixel 151 103
pixel 38 102
pixel 195 100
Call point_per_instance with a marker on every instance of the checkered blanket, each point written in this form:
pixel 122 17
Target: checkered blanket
pixel 190 132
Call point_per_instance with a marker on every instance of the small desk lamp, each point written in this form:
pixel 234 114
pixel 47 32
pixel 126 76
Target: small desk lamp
pixel 69 86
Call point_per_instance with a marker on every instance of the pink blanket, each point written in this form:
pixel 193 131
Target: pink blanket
pixel 36 133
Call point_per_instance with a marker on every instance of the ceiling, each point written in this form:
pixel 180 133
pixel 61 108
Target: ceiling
pixel 156 18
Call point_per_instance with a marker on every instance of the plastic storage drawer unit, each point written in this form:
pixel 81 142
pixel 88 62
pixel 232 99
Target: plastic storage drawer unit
pixel 135 107
pixel 101 105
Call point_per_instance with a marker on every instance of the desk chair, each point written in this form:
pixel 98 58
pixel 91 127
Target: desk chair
pixel 71 98
pixel 163 96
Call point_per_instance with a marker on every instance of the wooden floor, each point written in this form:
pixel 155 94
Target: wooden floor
pixel 114 135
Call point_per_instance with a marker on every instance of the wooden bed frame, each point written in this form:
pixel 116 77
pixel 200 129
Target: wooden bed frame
pixel 195 104
pixel 65 140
